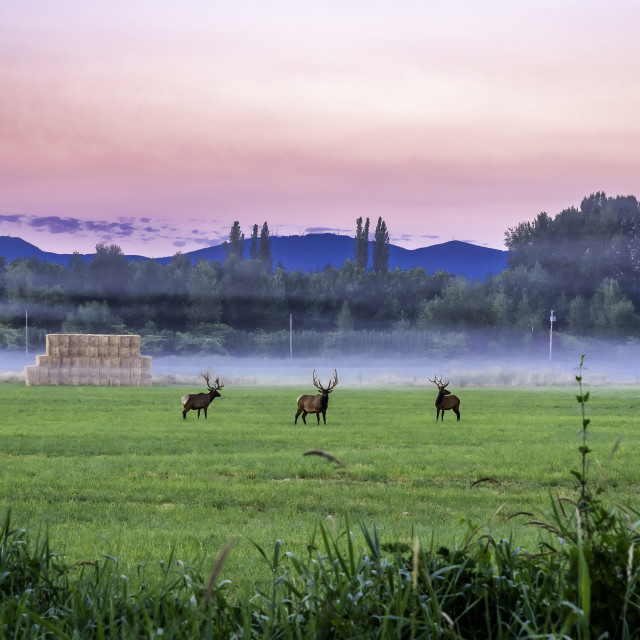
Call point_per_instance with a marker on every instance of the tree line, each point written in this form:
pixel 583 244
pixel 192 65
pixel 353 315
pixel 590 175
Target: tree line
pixel 584 263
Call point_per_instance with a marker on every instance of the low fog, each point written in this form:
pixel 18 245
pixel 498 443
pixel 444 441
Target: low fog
pixel 606 363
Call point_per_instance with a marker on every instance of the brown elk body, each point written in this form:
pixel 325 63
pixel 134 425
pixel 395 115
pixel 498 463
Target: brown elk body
pixel 445 400
pixel 199 401
pixel 316 404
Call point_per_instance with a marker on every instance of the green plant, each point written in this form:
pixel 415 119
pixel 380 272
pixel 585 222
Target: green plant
pixel 597 548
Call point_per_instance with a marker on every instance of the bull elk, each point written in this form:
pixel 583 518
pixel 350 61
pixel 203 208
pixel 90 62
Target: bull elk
pixel 201 400
pixel 445 400
pixel 316 404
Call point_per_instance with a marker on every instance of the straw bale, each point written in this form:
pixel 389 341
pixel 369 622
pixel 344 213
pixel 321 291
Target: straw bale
pixel 112 347
pixel 74 372
pixel 64 374
pixel 64 346
pixel 44 376
pixel 124 347
pixel 102 345
pixel 52 346
pixel 31 374
pixel 91 359
pixel 134 345
pixel 92 347
pixel 73 346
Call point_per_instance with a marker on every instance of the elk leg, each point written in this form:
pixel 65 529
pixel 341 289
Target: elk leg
pixel 297 414
pixel 205 413
pixel 324 417
pixel 184 414
pixel 304 416
pixel 318 416
pixel 457 412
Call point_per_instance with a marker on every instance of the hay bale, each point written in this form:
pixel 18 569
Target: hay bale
pixel 113 347
pixel 74 371
pixel 134 345
pixel 146 371
pixel 65 345
pixel 72 347
pixel 31 374
pixel 52 348
pixel 91 359
pixel 64 373
pixel 124 347
pixel 103 346
pixel 92 347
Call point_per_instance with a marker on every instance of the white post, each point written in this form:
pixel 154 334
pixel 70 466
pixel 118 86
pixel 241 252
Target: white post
pixel 552 319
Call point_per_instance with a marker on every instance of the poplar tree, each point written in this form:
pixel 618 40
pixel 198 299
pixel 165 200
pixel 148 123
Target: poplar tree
pixel 265 248
pixel 235 246
pixel 381 247
pixel 253 252
pixel 361 248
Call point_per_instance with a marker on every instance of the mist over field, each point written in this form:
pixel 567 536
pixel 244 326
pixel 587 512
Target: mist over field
pixel 605 363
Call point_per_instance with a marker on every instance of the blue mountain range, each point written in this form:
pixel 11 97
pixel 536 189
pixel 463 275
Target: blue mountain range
pixel 316 251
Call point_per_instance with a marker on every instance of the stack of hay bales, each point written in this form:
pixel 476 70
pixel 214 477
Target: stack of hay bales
pixel 91 359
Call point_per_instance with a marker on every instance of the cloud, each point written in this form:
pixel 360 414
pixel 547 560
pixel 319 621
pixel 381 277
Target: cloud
pixel 14 219
pixel 54 224
pixel 321 230
pixel 206 242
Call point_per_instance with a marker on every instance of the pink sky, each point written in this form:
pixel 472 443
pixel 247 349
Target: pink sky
pixel 154 125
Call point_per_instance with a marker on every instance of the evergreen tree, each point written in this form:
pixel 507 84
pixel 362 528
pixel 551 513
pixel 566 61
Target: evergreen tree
pixel 361 248
pixel 344 320
pixel 254 243
pixel 265 248
pixel 108 270
pixel 235 246
pixel 381 247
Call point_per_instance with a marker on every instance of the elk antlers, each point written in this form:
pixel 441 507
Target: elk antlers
pixel 437 382
pixel 219 385
pixel 331 385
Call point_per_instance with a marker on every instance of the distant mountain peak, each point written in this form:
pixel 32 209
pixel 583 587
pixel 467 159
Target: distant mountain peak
pixel 314 251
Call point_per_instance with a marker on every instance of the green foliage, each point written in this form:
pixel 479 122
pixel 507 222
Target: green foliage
pixel 344 320
pixel 93 317
pixel 583 246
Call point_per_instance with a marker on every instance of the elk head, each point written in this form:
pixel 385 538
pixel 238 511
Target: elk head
pixel 441 387
pixel 329 388
pixel 213 391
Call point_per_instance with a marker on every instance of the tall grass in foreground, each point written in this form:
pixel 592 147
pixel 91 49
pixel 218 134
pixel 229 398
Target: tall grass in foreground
pixel 583 583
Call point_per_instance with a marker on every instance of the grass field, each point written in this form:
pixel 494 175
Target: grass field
pixel 117 471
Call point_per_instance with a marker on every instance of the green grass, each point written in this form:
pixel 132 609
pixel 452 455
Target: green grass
pixel 117 471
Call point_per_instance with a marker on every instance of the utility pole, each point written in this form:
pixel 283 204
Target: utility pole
pixel 552 319
pixel 291 335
